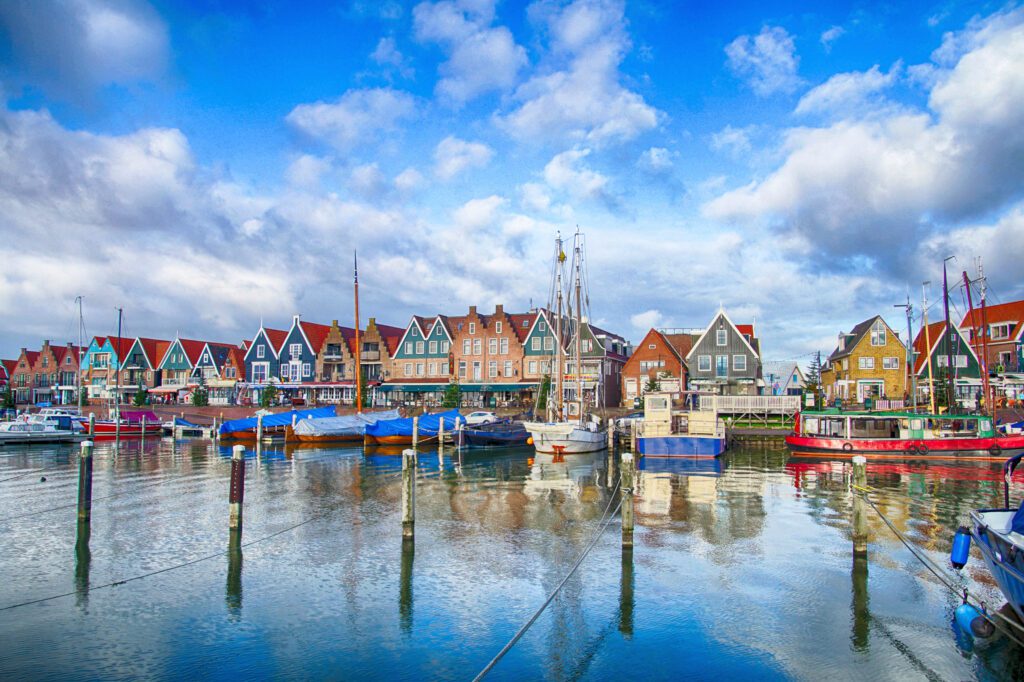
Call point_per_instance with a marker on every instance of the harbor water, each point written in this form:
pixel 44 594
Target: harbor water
pixel 741 567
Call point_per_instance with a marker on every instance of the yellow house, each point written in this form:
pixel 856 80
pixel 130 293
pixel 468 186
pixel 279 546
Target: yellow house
pixel 868 362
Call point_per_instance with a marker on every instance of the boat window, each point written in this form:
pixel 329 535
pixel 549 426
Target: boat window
pixel 811 425
pixel 917 424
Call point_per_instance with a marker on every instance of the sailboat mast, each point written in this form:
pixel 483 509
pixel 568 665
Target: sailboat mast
pixel 928 347
pixel 974 329
pixel 559 259
pixel 578 360
pixel 359 367
pixel 78 374
pixel 989 390
pixel 117 381
pixel 950 392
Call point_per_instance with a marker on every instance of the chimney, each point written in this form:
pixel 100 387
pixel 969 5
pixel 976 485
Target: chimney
pixel 295 319
pixel 472 310
pixel 334 323
pixel 372 322
pixel 499 310
pixel 842 340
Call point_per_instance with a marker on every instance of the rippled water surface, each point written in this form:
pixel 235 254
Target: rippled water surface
pixel 740 568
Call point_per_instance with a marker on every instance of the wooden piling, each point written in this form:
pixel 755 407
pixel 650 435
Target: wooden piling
pixel 92 424
pixel 860 516
pixel 626 486
pixel 85 483
pixel 415 432
pixel 458 433
pixel 236 491
pixel 440 438
pixel 408 494
pixel 632 436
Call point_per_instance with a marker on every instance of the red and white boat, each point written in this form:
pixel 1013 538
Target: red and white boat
pixel 134 424
pixel 900 435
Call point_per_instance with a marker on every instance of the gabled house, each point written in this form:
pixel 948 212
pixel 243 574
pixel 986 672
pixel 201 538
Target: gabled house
pixel 24 377
pixel 538 344
pixel 7 369
pixel 868 362
pixel 603 355
pixel 934 347
pixel 297 357
pixel 783 377
pixel 421 364
pixel 381 342
pixel 658 358
pixel 335 363
pixel 140 367
pixel 64 378
pixel 210 371
pixel 725 358
pixel 1005 337
pixel 261 359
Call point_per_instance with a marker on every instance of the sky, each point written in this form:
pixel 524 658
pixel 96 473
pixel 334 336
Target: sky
pixel 211 166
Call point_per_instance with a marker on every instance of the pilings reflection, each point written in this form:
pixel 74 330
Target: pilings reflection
pixel 405 595
pixel 860 621
pixel 233 590
pixel 83 562
pixel 626 599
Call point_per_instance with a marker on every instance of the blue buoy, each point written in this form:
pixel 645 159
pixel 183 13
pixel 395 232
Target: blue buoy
pixel 961 548
pixel 970 621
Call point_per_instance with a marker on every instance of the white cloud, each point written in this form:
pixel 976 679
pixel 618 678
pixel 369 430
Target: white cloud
pixel 582 100
pixel 534 197
pixel 657 160
pixel 646 320
pixel 478 213
pixel 874 187
pixel 847 93
pixel 453 156
pixel 481 58
pixel 767 61
pixel 367 181
pixel 567 172
pixel 408 180
pixel 387 55
pixel 306 170
pixel 830 35
pixel 355 118
pixel 73 47
pixel 735 141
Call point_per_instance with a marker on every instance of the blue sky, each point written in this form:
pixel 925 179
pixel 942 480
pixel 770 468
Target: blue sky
pixel 210 165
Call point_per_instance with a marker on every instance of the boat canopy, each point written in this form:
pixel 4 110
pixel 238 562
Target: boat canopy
pixel 139 415
pixel 347 425
pixel 429 424
pixel 278 419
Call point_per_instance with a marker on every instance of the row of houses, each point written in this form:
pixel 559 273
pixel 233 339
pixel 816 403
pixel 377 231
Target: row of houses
pixel 498 358
pixel 871 361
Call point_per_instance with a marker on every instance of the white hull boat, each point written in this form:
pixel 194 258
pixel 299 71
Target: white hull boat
pixel 565 438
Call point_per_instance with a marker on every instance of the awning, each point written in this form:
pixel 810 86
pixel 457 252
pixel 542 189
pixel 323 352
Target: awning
pixel 221 383
pixel 493 388
pixel 167 389
pixel 413 388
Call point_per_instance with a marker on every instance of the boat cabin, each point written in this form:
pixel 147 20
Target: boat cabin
pixel 893 425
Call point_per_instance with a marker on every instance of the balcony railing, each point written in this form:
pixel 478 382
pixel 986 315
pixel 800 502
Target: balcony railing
pixel 369 356
pixel 332 357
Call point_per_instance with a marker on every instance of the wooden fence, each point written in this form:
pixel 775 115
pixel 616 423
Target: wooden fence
pixel 762 407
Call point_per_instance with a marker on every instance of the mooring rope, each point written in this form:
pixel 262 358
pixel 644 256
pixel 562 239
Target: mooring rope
pixel 940 574
pixel 605 520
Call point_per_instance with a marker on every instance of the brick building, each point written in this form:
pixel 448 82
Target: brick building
pixel 659 357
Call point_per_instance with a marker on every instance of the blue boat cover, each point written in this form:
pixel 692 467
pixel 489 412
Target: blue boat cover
pixel 1017 523
pixel 178 421
pixel 347 425
pixel 279 419
pixel 428 425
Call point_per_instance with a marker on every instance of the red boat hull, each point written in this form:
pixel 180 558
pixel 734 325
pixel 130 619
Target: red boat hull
pixel 107 430
pixel 890 448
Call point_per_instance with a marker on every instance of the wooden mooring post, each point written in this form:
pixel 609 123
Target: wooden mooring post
pixel 632 436
pixel 408 494
pixel 860 515
pixel 440 439
pixel 85 483
pixel 92 424
pixel 236 490
pixel 415 432
pixel 626 486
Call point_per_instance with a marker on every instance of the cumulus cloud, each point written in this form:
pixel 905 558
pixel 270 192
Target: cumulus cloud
pixel 567 172
pixel 386 54
pixel 453 156
pixel 734 141
pixel 848 93
pixel 875 186
pixel 408 180
pixel 357 117
pixel 581 97
pixel 306 170
pixel 767 61
pixel 74 47
pixel 481 58
pixel 830 35
pixel 478 213
pixel 646 320
pixel 656 160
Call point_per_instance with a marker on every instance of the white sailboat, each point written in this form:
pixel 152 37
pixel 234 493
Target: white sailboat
pixel 561 434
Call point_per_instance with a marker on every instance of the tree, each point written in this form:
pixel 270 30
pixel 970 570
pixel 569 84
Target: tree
pixel 139 399
pixel 652 385
pixel 543 393
pixel 268 397
pixel 452 395
pixel 7 399
pixel 200 396
pixel 814 370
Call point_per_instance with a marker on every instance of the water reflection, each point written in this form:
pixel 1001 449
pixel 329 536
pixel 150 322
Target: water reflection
pixel 83 561
pixel 626 600
pixel 233 590
pixel 405 595
pixel 860 601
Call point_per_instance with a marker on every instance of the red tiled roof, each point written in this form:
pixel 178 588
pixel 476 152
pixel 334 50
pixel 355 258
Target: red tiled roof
pixel 193 349
pixel 122 348
pixel 1003 312
pixel 154 349
pixel 747 329
pixel 30 357
pixel 276 337
pixel 517 324
pixel 100 340
pixel 391 336
pixel 315 334
pixel 922 352
pixel 237 356
pixel 9 366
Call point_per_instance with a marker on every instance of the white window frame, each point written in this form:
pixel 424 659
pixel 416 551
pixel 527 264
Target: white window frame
pixel 419 348
pixel 420 370
pixel 295 350
pixel 492 346
pixel 497 327
pixel 477 370
pixel 532 366
pixel 472 327
pixel 478 346
pixel 260 351
pixel 462 369
pixel 467 346
pixel 721 337
pixel 492 369
pixel 890 362
pixel 408 347
pixel 739 363
pixel 307 371
pixel 866 362
pixel 445 346
pixel 703 363
pixel 408 369
pixel 508 368
pixel 433 347
pixel 503 347
pixel 878 334
pixel 540 326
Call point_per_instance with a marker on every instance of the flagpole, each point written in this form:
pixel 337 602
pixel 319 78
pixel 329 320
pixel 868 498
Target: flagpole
pixel 359 368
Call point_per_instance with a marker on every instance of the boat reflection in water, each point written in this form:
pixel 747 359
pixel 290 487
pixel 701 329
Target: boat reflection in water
pixel 571 473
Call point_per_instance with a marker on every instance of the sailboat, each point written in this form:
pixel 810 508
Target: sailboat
pixel 562 434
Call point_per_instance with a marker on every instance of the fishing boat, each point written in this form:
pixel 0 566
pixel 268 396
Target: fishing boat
pixel 879 435
pixel 345 429
pixel 400 431
pixel 57 429
pixel 499 433
pixel 665 432
pixel 999 534
pixel 564 433
pixel 130 424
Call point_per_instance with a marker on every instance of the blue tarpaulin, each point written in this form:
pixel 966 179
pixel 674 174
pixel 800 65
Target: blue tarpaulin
pixel 278 419
pixel 348 425
pixel 428 425
pixel 178 421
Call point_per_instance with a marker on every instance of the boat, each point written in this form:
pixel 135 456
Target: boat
pixel 345 429
pixel 399 431
pixel 498 433
pixel 899 434
pixel 664 432
pixel 273 424
pixel 564 433
pixel 55 430
pixel 130 424
pixel 999 534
